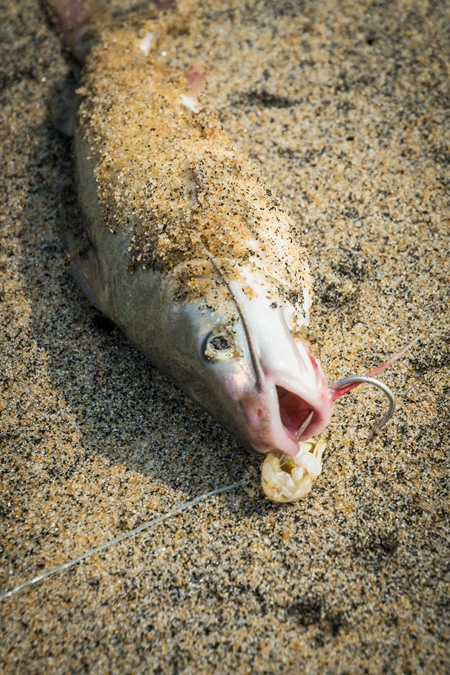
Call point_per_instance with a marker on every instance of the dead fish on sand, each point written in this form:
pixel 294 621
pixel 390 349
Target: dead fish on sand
pixel 191 254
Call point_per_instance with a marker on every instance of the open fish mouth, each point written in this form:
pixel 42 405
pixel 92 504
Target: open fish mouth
pixel 294 404
pixel 281 418
pixel 295 413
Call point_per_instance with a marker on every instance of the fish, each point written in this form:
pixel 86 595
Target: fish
pixel 191 254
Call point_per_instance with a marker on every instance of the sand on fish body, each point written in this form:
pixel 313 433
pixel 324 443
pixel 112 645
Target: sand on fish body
pixel 171 178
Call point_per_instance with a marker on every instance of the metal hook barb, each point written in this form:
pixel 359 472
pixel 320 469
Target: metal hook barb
pixel 376 383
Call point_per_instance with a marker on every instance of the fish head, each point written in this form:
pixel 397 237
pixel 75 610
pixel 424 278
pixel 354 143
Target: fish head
pixel 290 400
pixel 239 359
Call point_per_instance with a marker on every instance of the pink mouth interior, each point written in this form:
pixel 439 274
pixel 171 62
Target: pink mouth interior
pixel 293 411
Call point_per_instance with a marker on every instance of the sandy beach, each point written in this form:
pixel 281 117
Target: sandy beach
pixel 345 106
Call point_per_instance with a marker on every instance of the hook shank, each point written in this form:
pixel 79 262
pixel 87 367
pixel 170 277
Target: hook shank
pixel 359 379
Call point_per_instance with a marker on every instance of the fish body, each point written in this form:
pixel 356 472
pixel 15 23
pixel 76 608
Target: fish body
pixel 192 256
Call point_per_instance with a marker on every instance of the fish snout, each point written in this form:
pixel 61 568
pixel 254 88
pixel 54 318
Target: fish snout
pixel 294 405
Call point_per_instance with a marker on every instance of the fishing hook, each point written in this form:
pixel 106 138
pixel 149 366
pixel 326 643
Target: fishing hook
pixel 376 383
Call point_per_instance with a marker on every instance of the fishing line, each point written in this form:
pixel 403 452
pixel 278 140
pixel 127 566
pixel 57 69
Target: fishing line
pixel 122 537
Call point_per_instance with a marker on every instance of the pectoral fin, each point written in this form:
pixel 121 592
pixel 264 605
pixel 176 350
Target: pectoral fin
pixel 87 274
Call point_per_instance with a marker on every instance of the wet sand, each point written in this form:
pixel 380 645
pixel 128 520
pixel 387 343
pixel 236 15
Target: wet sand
pixel 346 110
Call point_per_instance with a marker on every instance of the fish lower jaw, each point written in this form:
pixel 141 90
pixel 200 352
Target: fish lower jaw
pixel 285 442
pixel 288 421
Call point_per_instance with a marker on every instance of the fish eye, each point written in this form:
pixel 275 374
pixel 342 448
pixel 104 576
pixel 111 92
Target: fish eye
pixel 219 347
